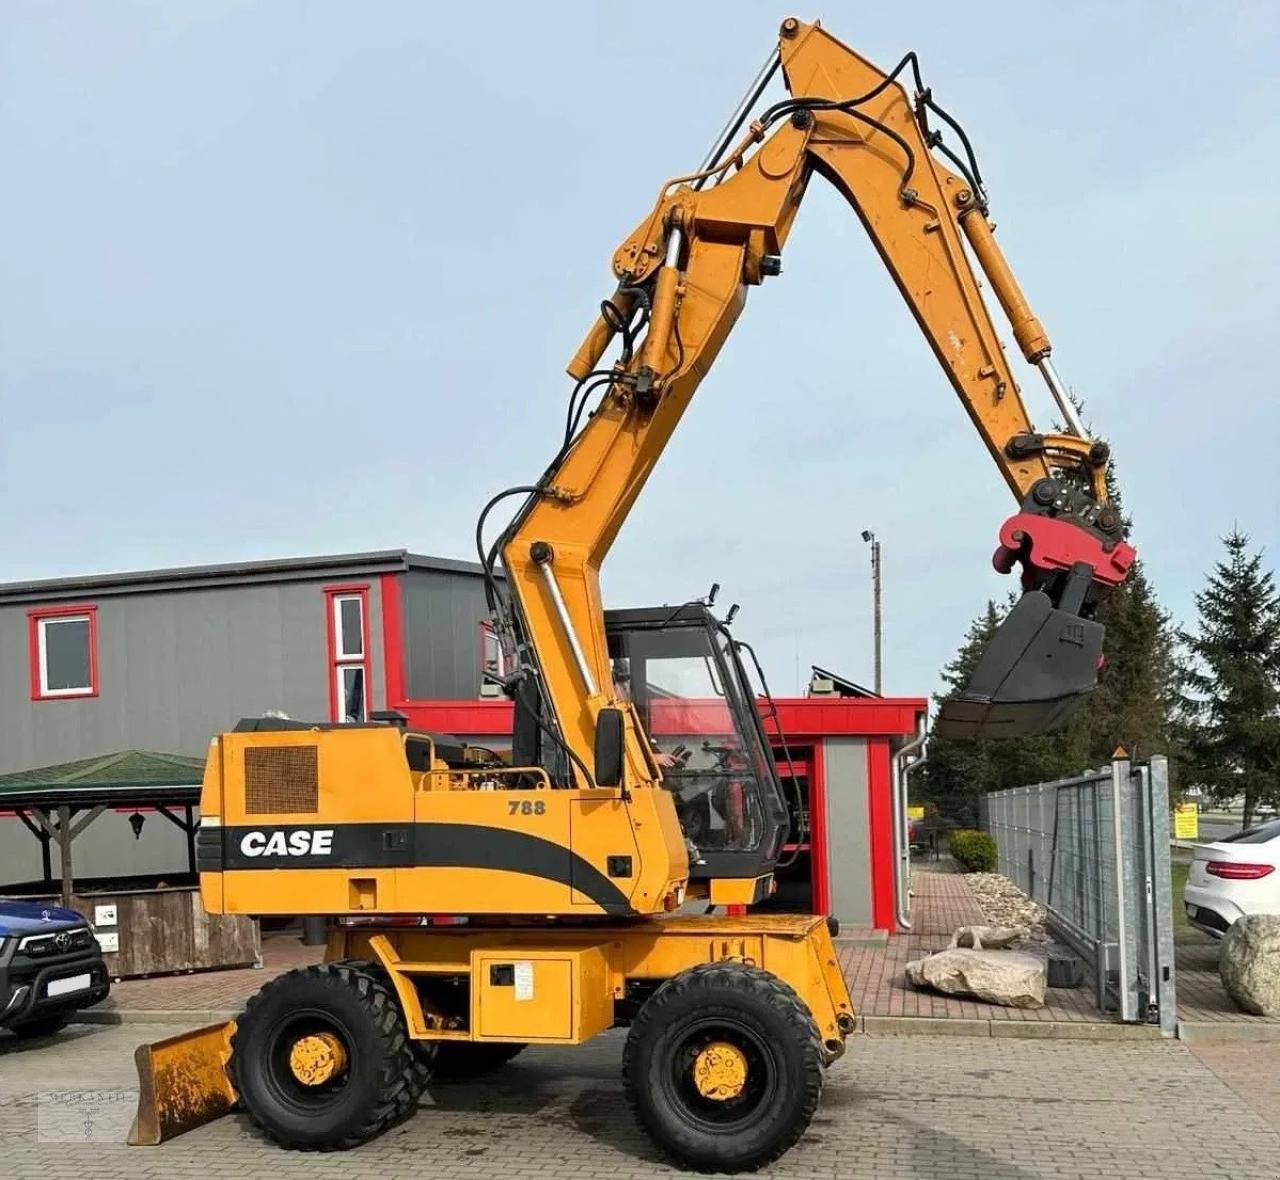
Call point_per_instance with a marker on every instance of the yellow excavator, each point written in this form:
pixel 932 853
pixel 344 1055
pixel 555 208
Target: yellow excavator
pixel 569 868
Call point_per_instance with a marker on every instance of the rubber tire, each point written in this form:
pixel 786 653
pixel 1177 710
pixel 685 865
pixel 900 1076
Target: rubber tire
pixel 763 1003
pixel 422 1054
pixel 380 1089
pixel 45 1026
pixel 460 1061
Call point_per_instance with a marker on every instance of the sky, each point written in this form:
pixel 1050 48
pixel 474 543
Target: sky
pixel 294 278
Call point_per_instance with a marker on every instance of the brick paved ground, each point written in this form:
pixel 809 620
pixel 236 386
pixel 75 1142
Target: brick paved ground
pixel 213 990
pixel 1251 1070
pixel 1201 996
pixel 941 903
pixel 895 1107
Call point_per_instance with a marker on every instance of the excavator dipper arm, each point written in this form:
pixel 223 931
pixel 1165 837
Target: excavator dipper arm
pixel 683 276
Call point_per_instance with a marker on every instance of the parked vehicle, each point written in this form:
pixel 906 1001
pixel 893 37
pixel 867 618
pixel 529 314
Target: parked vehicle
pixel 1234 876
pixel 50 967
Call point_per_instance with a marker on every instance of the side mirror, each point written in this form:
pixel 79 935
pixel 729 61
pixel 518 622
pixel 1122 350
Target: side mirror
pixel 608 748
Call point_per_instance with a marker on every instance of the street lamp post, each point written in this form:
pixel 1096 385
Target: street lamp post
pixel 874 542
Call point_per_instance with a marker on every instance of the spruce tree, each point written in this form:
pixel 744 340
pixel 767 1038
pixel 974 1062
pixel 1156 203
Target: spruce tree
pixel 1231 684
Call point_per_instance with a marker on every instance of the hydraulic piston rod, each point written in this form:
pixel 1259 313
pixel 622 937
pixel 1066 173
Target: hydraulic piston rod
pixel 1028 331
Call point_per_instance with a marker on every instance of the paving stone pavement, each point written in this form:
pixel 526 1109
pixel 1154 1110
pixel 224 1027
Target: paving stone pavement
pixel 895 1107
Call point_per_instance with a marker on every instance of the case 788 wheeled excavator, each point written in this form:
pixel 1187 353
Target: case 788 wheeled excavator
pixel 568 861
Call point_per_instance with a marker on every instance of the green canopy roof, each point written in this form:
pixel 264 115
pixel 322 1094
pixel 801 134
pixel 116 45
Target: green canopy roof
pixel 141 775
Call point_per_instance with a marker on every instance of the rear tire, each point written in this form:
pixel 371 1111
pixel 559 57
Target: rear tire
pixel 45 1026
pixel 460 1061
pixel 770 1035
pixel 351 1003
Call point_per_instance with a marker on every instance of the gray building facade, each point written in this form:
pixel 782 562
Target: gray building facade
pixel 163 660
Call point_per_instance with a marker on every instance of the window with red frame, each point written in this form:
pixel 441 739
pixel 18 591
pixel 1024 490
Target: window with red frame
pixel 63 651
pixel 349 663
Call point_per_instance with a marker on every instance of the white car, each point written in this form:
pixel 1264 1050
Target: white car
pixel 1234 876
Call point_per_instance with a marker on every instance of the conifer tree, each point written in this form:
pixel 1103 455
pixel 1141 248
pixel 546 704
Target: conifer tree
pixel 1231 683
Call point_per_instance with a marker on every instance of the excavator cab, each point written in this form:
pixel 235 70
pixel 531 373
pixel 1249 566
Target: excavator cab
pixel 680 667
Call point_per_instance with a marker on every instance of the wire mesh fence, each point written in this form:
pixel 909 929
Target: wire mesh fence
pixel 1094 851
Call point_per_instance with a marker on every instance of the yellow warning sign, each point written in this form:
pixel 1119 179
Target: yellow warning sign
pixel 1186 821
pixel 915 813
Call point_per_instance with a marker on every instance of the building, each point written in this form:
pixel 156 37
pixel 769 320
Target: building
pixel 161 660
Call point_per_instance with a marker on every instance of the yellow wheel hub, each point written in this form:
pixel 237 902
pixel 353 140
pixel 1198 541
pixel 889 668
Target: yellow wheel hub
pixel 317 1059
pixel 720 1071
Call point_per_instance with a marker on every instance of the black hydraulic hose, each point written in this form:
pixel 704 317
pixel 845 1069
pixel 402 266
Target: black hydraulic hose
pixel 787 105
pixel 974 174
pixel 490 583
pixel 924 100
pixel 559 741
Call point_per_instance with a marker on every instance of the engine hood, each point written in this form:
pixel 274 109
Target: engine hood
pixel 27 917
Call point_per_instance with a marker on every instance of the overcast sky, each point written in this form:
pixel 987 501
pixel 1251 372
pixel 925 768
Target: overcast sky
pixel 291 278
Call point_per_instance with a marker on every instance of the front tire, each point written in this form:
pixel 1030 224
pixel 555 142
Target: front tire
pixel 321 1058
pixel 723 1067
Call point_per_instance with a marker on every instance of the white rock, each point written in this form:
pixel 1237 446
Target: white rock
pixel 1004 904
pixel 1249 964
pixel 1009 978
pixel 992 938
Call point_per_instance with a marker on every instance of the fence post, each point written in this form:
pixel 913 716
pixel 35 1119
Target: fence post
pixel 1165 973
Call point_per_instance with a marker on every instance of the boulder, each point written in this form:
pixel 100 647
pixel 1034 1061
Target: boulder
pixel 999 977
pixel 1249 964
pixel 992 938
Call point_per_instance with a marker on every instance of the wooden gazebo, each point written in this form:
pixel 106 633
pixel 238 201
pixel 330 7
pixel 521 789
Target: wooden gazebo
pixel 157 929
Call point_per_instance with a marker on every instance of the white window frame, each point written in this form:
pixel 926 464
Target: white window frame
pixel 42 654
pixel 342 660
pixel 339 655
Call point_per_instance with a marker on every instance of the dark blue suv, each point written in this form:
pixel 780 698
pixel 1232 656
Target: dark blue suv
pixel 50 966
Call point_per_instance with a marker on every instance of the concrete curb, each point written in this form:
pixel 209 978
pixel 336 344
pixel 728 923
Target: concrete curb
pixel 1057 1030
pixel 191 1017
pixel 1203 1031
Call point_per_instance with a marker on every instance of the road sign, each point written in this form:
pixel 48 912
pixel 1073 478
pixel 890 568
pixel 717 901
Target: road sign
pixel 1186 821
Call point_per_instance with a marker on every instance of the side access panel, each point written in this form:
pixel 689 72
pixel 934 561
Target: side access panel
pixel 553 997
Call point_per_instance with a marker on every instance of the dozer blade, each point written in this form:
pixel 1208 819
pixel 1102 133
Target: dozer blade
pixel 1040 664
pixel 182 1084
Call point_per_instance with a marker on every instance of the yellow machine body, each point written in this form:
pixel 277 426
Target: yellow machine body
pixel 333 820
pixel 564 982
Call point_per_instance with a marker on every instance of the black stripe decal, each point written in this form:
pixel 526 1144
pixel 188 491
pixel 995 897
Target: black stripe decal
pixel 429 845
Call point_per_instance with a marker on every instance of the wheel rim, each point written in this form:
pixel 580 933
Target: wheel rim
pixel 317 1058
pixel 720 1071
pixel 719 1074
pixel 310 1061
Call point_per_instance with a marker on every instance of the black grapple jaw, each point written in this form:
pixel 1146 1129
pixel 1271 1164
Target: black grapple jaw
pixel 1043 660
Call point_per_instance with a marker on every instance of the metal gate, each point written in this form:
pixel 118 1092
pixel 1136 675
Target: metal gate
pixel 1094 851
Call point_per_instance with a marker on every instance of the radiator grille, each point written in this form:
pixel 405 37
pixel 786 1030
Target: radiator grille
pixel 280 779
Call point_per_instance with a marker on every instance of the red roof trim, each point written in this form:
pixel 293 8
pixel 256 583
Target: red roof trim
pixel 804 717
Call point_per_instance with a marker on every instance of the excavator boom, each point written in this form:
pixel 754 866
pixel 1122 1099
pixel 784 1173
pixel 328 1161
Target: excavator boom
pixel 682 279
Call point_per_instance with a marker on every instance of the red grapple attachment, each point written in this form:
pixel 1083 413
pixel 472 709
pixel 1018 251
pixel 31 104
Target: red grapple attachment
pixel 1043 660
